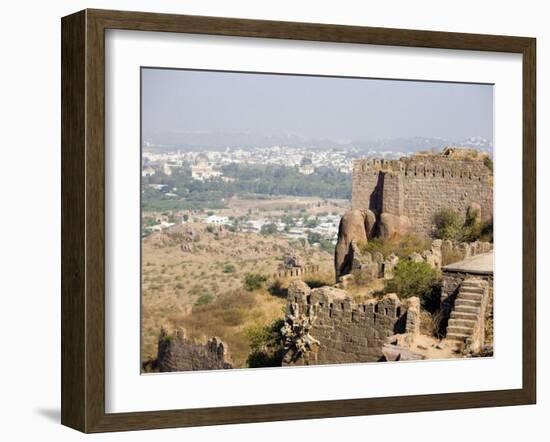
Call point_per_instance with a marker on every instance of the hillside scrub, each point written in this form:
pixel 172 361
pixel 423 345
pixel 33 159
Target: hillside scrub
pixel 449 224
pixel 254 281
pixel 266 344
pixel 402 247
pixel 230 317
pixel 415 279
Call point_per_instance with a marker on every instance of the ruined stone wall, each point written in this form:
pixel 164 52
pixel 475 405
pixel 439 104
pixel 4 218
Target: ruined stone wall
pixel 418 187
pixel 177 353
pixel 296 272
pixel 346 331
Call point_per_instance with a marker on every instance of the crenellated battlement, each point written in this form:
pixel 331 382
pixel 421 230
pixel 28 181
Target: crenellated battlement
pixel 426 167
pixel 344 330
pixel 412 190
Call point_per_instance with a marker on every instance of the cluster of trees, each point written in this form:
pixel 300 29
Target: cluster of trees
pixel 282 180
pixel 245 179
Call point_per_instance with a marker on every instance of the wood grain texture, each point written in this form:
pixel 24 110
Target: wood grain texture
pixel 73 128
pixel 83 219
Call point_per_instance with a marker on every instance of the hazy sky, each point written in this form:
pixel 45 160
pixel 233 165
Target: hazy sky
pixel 314 107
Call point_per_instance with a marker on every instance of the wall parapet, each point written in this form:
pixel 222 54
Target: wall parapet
pixel 177 353
pixel 346 331
pixel 406 194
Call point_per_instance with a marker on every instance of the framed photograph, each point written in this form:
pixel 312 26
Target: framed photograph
pixel 268 220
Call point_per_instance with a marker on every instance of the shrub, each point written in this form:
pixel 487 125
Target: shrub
pixel 210 228
pixel 266 344
pixel 207 298
pixel 414 279
pixel 488 163
pixel 449 225
pixel 487 231
pixel 269 229
pixel 229 268
pixel 402 247
pixel 448 256
pixel 278 289
pixel 327 246
pixel 254 281
pixel 313 237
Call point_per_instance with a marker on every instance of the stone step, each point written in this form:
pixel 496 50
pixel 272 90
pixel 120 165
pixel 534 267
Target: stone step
pixel 468 323
pixel 470 296
pixel 467 302
pixel 457 337
pixel 467 331
pixel 472 282
pixel 467 309
pixel 479 290
pixel 459 315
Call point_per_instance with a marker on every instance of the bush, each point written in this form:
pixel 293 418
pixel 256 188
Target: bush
pixel 327 246
pixel 488 163
pixel 278 289
pixel 448 256
pixel 229 268
pixel 402 247
pixel 266 344
pixel 207 298
pixel 415 279
pixel 449 225
pixel 254 281
pixel 313 237
pixel 269 229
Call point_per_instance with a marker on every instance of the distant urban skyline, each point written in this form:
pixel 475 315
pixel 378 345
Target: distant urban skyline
pixel 313 107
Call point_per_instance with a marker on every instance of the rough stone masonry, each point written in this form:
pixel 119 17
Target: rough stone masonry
pixel 325 326
pixel 405 195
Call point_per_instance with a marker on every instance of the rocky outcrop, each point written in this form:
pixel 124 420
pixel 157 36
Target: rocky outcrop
pixel 356 226
pixel 393 226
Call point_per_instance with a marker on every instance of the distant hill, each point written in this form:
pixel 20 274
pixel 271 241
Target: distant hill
pixel 215 140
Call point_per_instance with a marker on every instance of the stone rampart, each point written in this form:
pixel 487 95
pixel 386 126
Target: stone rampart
pixel 418 187
pixel 177 353
pixel 325 325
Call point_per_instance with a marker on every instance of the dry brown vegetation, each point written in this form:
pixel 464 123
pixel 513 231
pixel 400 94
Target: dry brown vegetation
pixel 229 317
pixel 402 247
pixel 174 281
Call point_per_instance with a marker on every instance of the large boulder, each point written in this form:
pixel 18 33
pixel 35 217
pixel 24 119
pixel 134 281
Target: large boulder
pixel 370 223
pixel 352 228
pixel 393 226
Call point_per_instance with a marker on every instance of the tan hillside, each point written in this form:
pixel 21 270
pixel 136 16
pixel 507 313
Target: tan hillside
pixel 188 265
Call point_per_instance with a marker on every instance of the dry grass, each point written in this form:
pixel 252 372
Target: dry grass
pixel 173 280
pixel 448 256
pixel 402 247
pixel 228 317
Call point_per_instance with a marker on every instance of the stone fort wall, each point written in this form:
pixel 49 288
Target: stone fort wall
pixel 177 353
pixel 346 331
pixel 420 186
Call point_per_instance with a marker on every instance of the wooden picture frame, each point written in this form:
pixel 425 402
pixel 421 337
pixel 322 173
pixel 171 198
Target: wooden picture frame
pixel 83 219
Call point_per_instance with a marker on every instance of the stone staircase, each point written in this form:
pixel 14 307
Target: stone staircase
pixel 467 317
